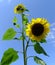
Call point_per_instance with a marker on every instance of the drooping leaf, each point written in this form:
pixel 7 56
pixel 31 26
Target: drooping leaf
pixel 14 20
pixel 25 19
pixel 39 49
pixel 39 61
pixel 9 56
pixel 43 41
pixel 9 34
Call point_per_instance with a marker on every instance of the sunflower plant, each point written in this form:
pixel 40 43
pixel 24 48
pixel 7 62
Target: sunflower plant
pixel 34 32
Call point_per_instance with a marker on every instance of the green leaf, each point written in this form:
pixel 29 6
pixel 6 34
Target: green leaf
pixel 43 41
pixel 14 20
pixel 17 26
pixel 39 49
pixel 9 56
pixel 9 34
pixel 25 19
pixel 39 61
pixel 0 63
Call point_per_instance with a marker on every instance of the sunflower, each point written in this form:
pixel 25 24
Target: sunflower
pixel 20 8
pixel 37 29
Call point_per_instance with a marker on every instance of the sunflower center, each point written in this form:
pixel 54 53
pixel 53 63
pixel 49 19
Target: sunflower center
pixel 37 29
pixel 19 8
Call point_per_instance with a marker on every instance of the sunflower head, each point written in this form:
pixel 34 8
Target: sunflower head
pixel 37 29
pixel 20 8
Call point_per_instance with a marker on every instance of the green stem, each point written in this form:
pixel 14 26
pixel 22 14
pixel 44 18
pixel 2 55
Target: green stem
pixel 27 44
pixel 30 57
pixel 24 50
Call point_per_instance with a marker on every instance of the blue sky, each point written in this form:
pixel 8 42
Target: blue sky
pixel 38 8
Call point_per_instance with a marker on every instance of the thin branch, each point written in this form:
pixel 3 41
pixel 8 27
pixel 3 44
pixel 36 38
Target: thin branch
pixel 30 57
pixel 27 44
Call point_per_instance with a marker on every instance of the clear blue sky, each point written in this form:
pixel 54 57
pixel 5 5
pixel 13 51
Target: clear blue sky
pixel 38 8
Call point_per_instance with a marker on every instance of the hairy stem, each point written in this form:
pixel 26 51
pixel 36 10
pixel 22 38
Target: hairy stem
pixel 24 50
